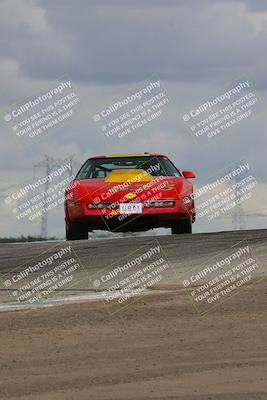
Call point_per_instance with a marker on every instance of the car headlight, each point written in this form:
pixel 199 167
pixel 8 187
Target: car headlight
pixel 167 203
pixel 102 205
pixel 168 186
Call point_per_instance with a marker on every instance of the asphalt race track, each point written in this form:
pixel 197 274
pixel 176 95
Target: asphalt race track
pixel 183 252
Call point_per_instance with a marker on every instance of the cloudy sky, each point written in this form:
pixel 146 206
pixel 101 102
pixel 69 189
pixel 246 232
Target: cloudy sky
pixel 107 47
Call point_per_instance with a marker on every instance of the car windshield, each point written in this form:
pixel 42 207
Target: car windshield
pixel 100 168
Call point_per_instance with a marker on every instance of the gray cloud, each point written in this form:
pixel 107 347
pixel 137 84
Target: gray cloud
pixel 114 41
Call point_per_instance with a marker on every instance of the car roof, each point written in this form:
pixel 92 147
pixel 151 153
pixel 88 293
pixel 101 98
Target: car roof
pixel 128 155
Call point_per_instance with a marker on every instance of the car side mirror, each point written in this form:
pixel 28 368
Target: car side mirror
pixel 189 174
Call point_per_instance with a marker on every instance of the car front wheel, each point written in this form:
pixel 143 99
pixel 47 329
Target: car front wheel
pixel 75 231
pixel 183 226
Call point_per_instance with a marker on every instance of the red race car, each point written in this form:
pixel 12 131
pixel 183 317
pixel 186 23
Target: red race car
pixel 129 192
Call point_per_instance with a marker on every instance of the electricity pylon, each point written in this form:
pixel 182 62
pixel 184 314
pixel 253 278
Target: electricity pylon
pixel 49 164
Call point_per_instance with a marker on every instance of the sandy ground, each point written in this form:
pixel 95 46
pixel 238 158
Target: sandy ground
pixel 157 348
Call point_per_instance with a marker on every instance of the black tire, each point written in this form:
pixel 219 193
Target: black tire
pixel 183 226
pixel 75 231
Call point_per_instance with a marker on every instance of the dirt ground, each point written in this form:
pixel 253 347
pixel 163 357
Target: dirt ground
pixel 158 348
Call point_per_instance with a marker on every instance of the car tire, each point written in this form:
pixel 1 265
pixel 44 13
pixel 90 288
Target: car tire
pixel 75 231
pixel 183 226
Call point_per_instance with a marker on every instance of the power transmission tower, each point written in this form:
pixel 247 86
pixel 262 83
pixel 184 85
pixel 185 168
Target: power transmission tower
pixel 238 215
pixel 49 164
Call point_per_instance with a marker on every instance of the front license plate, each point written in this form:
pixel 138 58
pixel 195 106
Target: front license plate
pixel 131 208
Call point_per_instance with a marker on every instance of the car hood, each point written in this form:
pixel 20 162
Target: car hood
pixel 106 191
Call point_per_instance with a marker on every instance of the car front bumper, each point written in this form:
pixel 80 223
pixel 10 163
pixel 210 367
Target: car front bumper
pixel 111 219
